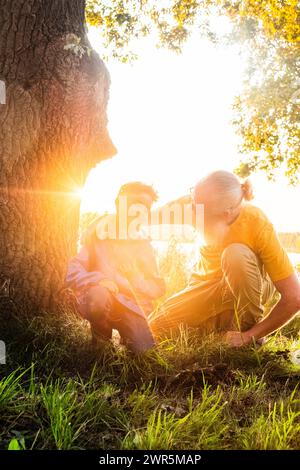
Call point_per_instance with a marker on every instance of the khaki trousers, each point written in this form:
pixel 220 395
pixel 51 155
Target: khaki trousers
pixel 235 301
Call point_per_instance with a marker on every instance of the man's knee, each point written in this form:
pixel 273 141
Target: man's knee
pixel 237 259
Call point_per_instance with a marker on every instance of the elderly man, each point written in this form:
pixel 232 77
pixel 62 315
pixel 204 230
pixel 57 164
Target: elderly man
pixel 114 276
pixel 242 265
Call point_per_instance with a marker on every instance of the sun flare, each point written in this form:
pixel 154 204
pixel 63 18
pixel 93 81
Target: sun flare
pixel 170 119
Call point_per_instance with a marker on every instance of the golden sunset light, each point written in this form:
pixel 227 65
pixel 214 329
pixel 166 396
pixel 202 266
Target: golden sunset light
pixel 165 109
pixel 150 232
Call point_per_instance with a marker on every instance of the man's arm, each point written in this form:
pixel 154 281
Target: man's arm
pixel 167 213
pixel 280 315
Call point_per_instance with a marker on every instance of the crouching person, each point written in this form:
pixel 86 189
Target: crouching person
pixel 242 265
pixel 114 276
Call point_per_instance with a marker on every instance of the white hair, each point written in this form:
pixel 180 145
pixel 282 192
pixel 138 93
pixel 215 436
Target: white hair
pixel 222 190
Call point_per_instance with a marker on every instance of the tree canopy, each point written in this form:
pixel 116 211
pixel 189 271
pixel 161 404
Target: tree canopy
pixel 267 112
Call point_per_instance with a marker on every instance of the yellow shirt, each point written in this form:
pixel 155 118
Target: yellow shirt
pixel 251 228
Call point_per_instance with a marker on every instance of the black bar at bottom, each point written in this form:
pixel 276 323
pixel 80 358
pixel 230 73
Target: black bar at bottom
pixel 139 459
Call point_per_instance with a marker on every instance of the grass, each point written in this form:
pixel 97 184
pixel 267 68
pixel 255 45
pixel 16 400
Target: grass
pixel 190 393
pixel 57 391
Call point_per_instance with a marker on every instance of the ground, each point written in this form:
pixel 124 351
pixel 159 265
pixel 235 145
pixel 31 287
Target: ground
pixel 57 391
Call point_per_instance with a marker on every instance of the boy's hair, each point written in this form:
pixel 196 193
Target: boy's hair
pixel 137 187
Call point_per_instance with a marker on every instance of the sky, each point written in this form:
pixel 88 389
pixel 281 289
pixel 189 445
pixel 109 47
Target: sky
pixel 170 119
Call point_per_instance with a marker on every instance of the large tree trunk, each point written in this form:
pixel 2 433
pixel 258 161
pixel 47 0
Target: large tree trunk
pixel 52 132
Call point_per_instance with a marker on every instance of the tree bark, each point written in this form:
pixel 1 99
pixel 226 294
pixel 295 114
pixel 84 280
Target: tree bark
pixel 52 132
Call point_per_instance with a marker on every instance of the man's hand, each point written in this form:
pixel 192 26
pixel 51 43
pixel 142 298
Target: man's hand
pixel 237 339
pixel 280 315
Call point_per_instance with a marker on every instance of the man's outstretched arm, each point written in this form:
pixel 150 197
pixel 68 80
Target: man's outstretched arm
pixel 167 213
pixel 279 316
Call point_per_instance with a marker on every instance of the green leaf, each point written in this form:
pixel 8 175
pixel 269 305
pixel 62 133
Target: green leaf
pixel 14 445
